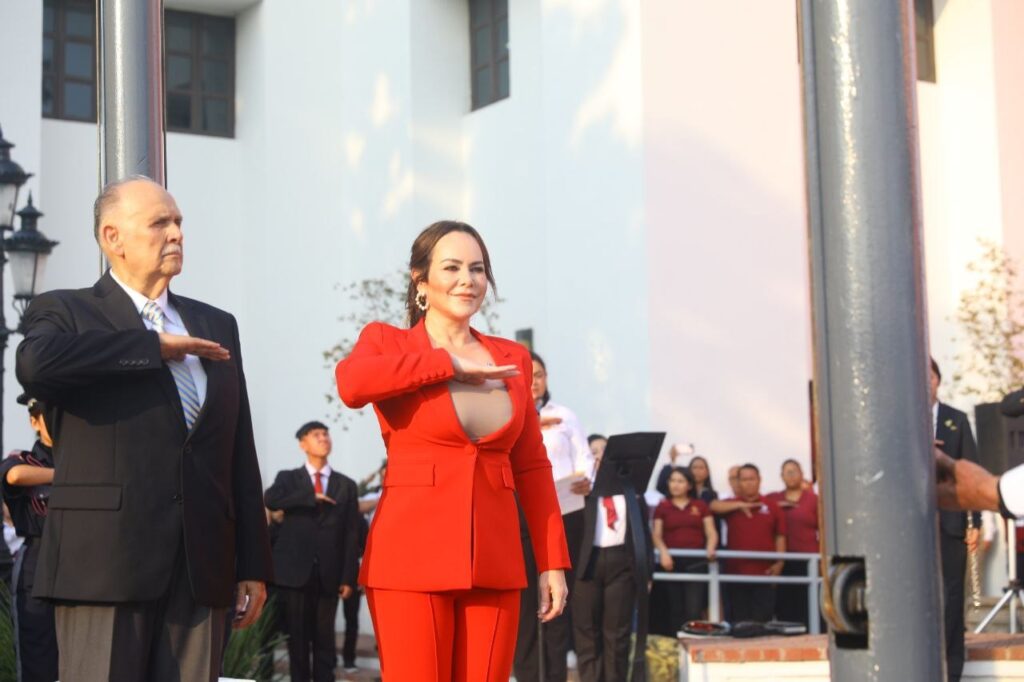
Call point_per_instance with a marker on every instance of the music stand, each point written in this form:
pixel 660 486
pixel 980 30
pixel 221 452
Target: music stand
pixel 626 469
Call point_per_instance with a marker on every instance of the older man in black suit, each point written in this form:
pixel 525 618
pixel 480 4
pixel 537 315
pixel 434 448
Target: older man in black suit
pixel 316 552
pixel 156 513
pixel 954 437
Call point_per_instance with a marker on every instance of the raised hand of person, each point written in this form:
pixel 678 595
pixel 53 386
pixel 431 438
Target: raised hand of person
pixel 472 372
pixel 548 422
pixel 962 484
pixel 580 487
pixel 176 347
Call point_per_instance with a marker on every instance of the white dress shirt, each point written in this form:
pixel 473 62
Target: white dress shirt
pixel 324 473
pixel 567 450
pixel 172 325
pixel 611 537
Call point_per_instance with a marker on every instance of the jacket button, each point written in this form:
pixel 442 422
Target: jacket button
pixel 470 450
pixel 177 498
pixel 188 449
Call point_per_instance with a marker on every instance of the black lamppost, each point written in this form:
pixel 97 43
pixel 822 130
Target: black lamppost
pixel 12 177
pixel 28 249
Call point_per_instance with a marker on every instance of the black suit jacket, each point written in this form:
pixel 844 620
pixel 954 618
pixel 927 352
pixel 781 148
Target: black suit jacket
pixel 954 430
pixel 584 570
pixel 1013 404
pixel 132 485
pixel 315 532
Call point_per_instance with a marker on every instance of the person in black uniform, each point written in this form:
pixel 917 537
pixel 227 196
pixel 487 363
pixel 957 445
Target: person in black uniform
pixel 605 596
pixel 954 437
pixel 25 479
pixel 316 553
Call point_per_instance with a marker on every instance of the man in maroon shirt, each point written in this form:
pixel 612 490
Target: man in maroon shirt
pixel 755 524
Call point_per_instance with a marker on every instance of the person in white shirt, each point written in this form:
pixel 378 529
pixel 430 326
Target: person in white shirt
pixel 572 465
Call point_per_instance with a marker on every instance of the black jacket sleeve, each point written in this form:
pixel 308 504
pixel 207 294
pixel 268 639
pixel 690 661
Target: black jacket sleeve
pixel 351 552
pixel 285 495
pixel 53 356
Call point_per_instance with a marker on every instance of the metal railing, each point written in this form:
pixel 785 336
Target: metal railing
pixel 714 577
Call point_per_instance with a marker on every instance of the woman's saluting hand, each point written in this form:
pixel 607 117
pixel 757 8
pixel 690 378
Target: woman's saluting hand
pixel 472 372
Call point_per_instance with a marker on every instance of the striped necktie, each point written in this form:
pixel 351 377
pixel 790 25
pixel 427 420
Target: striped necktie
pixel 179 370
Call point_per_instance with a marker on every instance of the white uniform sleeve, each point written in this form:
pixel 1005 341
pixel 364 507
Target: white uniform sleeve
pixel 1011 490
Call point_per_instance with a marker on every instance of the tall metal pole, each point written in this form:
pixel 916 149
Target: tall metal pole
pixel 870 344
pixel 130 92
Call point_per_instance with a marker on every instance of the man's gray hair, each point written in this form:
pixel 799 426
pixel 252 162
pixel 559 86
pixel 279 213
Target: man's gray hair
pixel 108 197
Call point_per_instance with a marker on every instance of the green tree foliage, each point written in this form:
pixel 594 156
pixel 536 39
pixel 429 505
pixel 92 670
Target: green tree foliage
pixel 990 316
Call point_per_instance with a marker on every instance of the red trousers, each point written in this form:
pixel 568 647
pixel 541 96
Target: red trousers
pixel 460 636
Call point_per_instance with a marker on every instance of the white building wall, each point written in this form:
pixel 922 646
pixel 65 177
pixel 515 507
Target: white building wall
pixel 641 192
pixel 727 256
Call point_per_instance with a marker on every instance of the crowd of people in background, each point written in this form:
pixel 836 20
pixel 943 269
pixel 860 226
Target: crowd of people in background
pixel 319 519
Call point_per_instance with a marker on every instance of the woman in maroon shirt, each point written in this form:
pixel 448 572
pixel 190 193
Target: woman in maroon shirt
pixel 799 503
pixel 683 522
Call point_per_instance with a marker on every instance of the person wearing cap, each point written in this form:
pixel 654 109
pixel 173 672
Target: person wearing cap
pixel 25 478
pixel 316 552
pixel 156 522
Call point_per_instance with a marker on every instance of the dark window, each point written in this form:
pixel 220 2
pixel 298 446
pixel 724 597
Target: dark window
pixel 200 73
pixel 924 29
pixel 69 59
pixel 488 45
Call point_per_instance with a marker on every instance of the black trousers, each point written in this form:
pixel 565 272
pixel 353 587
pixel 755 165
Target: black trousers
pixel 557 633
pixel 752 602
pixel 791 600
pixel 954 566
pixel 602 615
pixel 309 613
pixel 674 603
pixel 350 607
pixel 36 634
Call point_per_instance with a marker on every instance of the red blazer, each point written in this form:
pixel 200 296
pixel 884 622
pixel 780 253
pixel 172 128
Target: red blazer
pixel 447 519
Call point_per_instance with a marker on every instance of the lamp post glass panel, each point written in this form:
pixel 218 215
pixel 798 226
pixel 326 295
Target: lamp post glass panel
pixel 27 248
pixel 12 177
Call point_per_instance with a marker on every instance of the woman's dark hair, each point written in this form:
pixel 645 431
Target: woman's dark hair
pixel 688 475
pixel 546 398
pixel 423 251
pixel 707 483
pixel 595 436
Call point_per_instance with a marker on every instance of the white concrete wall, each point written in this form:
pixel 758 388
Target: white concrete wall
pixel 727 257
pixel 962 179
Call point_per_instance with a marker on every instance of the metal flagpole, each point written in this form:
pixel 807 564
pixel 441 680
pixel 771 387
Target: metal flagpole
pixel 130 90
pixel 881 588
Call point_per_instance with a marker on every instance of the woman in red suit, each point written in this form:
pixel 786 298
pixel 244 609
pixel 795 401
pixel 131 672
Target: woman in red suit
pixel 443 564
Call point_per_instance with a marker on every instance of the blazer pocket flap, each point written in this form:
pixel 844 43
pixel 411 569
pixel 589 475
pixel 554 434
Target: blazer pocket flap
pixel 409 473
pixel 507 478
pixel 95 497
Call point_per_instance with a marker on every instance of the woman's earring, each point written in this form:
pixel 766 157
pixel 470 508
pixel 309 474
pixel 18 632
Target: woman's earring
pixel 421 301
